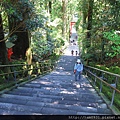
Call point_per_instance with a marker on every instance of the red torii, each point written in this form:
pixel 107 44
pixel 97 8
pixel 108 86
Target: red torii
pixel 71 26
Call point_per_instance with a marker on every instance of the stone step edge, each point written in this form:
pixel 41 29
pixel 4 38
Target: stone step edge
pixel 43 96
pixel 20 107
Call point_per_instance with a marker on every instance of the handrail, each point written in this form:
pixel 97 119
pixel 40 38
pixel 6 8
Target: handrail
pixel 104 71
pixel 88 70
pixel 104 82
pixel 11 65
pixel 23 71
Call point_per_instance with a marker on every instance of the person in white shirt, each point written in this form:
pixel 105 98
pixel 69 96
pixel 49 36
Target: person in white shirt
pixel 78 68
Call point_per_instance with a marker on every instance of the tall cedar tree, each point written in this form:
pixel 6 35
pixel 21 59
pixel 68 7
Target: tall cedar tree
pixel 3 51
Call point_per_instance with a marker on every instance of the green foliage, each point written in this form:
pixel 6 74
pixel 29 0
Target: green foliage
pixel 18 9
pixel 102 67
pixel 43 48
pixel 115 39
pixel 115 69
pixel 105 18
pixel 2 78
pixel 112 69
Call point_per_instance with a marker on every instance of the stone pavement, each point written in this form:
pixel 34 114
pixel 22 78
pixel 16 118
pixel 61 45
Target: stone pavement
pixel 56 93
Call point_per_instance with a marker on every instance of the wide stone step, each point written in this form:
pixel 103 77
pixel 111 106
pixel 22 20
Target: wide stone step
pixel 79 108
pixel 24 101
pixel 81 92
pixel 14 101
pixel 59 89
pixel 58 85
pixel 43 108
pixel 20 108
pixel 79 97
pixel 48 100
pixel 21 97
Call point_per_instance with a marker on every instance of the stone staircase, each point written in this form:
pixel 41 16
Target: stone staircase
pixel 56 93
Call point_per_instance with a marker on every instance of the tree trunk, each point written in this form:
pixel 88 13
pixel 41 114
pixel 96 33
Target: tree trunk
pixel 84 9
pixel 21 44
pixel 63 17
pixel 3 51
pixel 18 28
pixel 50 7
pixel 89 27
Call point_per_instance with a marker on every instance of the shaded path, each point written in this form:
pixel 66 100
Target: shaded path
pixel 55 94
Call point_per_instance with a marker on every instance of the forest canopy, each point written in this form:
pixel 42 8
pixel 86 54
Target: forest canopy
pixel 44 26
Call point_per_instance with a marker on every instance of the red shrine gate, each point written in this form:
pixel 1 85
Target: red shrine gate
pixel 71 26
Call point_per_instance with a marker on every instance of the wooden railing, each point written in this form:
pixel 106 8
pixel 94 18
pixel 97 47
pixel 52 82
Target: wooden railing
pixel 103 80
pixel 14 74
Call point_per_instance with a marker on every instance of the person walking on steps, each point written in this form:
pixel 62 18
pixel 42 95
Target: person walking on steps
pixel 78 68
pixel 72 52
pixel 76 52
